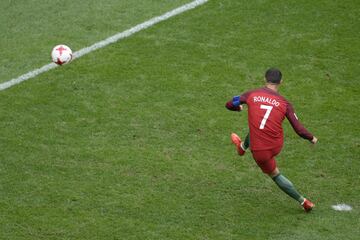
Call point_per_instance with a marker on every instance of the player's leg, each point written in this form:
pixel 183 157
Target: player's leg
pixel 287 186
pixel 241 146
pixel 246 143
pixel 267 163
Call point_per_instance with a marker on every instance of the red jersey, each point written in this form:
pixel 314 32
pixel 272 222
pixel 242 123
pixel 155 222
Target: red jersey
pixel 267 110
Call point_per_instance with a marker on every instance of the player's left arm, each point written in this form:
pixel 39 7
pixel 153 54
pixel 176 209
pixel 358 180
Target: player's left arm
pixel 297 126
pixel 236 103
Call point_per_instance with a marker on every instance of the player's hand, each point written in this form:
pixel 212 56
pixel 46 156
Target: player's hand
pixel 241 107
pixel 314 140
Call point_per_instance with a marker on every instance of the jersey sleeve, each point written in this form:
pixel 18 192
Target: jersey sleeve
pixel 234 104
pixel 295 123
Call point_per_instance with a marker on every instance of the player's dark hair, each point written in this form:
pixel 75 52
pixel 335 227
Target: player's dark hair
pixel 273 75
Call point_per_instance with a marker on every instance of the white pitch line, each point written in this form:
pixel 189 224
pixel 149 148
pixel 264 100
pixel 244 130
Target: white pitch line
pixel 106 42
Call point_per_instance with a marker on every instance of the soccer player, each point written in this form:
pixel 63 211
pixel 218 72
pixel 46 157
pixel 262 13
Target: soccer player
pixel 266 111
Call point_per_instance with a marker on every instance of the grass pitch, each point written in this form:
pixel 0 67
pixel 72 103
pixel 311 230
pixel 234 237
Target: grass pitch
pixel 132 141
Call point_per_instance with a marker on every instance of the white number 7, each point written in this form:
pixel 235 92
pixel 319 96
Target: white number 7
pixel 266 116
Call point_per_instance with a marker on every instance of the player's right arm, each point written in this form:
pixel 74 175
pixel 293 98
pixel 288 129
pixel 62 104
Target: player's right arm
pixel 297 126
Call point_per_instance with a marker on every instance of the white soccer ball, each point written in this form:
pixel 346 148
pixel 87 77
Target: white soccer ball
pixel 61 54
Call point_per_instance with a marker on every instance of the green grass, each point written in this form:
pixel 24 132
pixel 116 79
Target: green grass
pixel 132 141
pixel 34 27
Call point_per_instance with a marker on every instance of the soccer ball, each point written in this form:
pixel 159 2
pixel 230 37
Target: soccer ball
pixel 61 54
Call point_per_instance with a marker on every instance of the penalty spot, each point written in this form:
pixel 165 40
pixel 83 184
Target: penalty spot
pixel 341 207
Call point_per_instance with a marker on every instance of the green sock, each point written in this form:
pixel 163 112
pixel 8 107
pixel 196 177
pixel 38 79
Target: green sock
pixel 285 185
pixel 246 143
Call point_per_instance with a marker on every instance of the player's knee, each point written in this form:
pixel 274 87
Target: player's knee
pixel 274 173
